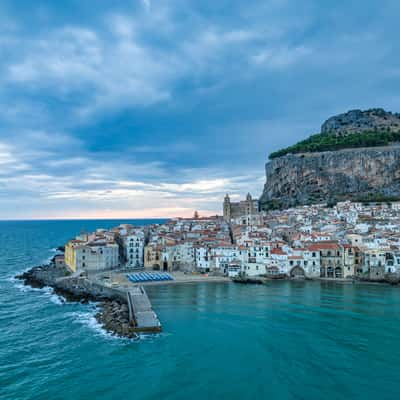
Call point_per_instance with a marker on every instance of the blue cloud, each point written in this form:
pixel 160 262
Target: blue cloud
pixel 159 107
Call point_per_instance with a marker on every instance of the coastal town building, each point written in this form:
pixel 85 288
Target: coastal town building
pixel 347 241
pixel 91 255
pixel 131 241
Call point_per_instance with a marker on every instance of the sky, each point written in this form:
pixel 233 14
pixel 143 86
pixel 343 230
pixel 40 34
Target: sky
pixel 153 108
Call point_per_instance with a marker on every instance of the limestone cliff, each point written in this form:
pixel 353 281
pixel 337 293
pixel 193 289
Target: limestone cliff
pixel 355 121
pixel 355 157
pixel 351 174
pixel 354 174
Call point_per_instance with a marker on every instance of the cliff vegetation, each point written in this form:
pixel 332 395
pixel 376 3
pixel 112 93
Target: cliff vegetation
pixel 331 142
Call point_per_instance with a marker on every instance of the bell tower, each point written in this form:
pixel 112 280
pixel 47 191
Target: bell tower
pixel 227 208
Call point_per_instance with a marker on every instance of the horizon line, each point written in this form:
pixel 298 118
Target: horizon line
pixel 77 219
pixel 98 219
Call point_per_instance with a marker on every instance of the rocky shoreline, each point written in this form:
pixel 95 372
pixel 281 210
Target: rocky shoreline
pixel 113 314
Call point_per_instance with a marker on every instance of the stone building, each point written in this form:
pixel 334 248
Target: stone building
pixel 91 256
pixel 238 209
pixel 331 259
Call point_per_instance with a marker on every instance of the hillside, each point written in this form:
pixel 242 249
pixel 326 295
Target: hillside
pixel 332 142
pixel 353 129
pixel 337 165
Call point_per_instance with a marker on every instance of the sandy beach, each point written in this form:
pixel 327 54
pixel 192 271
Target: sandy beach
pixel 120 280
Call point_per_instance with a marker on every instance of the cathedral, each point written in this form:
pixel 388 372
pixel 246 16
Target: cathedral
pixel 242 208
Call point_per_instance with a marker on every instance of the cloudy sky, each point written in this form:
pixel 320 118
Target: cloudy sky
pixel 153 108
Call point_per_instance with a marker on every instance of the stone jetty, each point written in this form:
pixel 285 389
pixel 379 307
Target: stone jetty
pixel 117 314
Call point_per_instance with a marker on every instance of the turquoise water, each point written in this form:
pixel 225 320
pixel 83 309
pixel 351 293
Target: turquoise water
pixel 287 340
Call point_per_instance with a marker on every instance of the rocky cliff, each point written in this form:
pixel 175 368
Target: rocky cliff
pixel 353 174
pixel 355 121
pixel 305 173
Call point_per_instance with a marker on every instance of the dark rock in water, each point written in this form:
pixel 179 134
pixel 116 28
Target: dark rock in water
pixel 43 275
pixel 114 318
pixel 248 280
pixel 393 279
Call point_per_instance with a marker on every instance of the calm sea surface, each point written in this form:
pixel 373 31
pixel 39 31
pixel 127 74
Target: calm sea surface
pixel 286 340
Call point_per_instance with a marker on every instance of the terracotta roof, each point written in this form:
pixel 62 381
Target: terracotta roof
pixel 278 251
pixel 324 246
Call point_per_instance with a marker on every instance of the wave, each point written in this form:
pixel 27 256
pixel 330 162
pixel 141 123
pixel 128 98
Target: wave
pixel 88 319
pixel 85 318
pixel 47 291
pixel 12 278
pixel 58 299
pixel 151 336
pixel 53 252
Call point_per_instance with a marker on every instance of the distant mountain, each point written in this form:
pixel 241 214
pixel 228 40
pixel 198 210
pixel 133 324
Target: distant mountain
pixel 356 156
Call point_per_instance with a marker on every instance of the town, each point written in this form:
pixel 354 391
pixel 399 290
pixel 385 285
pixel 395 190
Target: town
pixel 346 241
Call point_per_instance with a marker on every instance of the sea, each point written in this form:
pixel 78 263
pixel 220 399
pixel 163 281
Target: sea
pixel 284 340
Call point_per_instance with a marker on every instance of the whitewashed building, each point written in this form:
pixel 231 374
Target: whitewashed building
pixel 133 248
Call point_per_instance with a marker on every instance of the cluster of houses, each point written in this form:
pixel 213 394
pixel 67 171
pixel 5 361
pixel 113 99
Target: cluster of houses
pixel 119 247
pixel 348 240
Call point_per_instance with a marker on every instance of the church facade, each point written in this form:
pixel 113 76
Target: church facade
pixel 232 210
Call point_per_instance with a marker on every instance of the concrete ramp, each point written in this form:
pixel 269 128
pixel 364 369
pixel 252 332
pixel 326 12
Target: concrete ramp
pixel 140 312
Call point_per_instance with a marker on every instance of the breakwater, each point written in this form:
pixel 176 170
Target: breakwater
pixel 121 312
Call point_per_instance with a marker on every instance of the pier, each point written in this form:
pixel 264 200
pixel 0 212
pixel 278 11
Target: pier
pixel 141 315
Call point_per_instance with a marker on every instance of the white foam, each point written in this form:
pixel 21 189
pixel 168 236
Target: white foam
pixel 13 278
pixel 22 287
pixel 57 299
pixel 53 251
pixel 152 336
pixel 89 320
pixel 46 291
